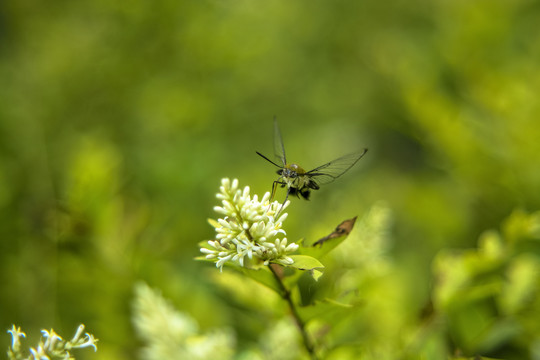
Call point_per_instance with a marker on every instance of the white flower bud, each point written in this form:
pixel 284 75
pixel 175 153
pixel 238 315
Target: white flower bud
pixel 249 228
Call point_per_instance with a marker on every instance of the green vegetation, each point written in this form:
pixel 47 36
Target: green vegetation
pixel 118 121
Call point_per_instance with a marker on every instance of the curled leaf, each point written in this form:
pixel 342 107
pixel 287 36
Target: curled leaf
pixel 342 229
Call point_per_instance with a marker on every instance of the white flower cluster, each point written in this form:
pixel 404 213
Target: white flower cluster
pixel 250 228
pixel 51 345
pixel 168 333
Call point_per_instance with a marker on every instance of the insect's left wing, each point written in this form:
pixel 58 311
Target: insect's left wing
pixel 279 148
pixel 330 171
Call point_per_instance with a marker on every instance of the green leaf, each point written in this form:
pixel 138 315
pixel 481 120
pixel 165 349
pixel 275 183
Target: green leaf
pixel 262 276
pixel 520 283
pixel 202 258
pixel 203 244
pixel 316 274
pixel 304 262
pixel 326 309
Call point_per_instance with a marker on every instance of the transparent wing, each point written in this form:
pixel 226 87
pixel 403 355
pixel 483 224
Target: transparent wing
pixel 330 171
pixel 279 149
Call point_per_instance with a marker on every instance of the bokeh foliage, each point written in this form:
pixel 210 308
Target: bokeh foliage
pixel 117 121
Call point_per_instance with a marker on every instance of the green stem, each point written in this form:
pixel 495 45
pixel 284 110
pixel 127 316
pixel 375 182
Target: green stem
pixel 286 295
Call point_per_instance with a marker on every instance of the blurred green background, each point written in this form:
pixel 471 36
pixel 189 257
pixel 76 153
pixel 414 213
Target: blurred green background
pixel 118 120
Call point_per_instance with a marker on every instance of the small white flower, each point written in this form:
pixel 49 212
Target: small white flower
pixel 16 334
pixel 88 341
pixel 51 345
pixel 222 261
pixel 39 353
pixel 249 228
pixel 51 339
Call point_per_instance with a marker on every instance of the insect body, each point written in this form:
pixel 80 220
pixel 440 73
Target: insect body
pixel 297 180
pixel 300 182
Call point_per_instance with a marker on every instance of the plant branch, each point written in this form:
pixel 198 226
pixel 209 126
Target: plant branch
pixel 286 295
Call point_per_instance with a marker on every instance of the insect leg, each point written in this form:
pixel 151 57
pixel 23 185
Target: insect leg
pixel 281 207
pixel 274 188
pixel 275 185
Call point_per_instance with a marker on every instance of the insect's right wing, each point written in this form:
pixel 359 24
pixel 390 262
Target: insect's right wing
pixel 330 171
pixel 279 149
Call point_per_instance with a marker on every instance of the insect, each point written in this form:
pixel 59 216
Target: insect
pixel 299 182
